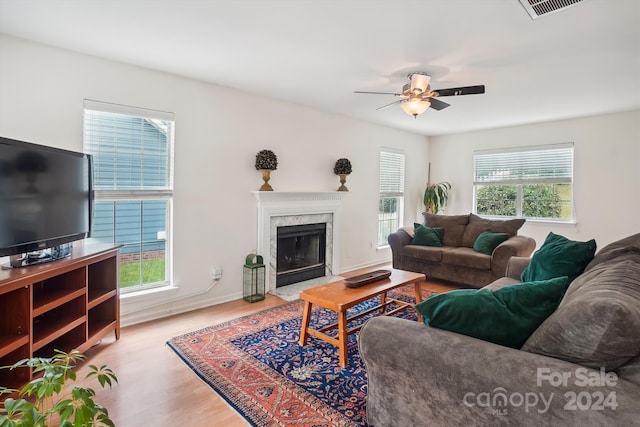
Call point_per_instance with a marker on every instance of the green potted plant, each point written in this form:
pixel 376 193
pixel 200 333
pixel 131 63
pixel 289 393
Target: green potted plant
pixel 47 401
pixel 342 168
pixel 435 195
pixel 266 161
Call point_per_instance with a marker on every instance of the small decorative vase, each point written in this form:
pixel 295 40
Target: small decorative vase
pixel 343 179
pixel 266 176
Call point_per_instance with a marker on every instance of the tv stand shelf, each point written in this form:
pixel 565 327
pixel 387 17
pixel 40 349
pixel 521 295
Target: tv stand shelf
pixel 11 343
pixel 71 303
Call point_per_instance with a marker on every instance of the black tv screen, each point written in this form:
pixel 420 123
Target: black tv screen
pixel 46 196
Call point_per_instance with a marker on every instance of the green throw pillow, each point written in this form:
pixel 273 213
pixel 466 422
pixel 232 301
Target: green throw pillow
pixel 506 316
pixel 427 236
pixel 487 241
pixel 557 257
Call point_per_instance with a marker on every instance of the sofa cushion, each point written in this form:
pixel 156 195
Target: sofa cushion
pixel 488 240
pixel 477 225
pixel 506 316
pixel 467 257
pixel 627 248
pixel 598 320
pixel 425 253
pixel 454 226
pixel 630 371
pixel 559 256
pixel 427 236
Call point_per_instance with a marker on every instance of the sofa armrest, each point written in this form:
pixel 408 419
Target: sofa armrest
pixel 520 246
pixel 516 266
pixel 418 376
pixel 397 241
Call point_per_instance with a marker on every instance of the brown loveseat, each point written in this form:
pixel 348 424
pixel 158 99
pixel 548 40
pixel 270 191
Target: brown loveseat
pixel 456 260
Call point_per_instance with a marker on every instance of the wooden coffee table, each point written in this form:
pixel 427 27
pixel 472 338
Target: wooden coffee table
pixel 335 296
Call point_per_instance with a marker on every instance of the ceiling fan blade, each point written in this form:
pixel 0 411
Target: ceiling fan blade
pixel 466 90
pixel 438 105
pixel 378 93
pixel 388 105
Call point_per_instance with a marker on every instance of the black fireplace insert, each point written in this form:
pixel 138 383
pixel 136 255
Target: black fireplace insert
pixel 301 253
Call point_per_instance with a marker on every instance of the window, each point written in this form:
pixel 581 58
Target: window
pixel 132 152
pixel 530 182
pixel 391 194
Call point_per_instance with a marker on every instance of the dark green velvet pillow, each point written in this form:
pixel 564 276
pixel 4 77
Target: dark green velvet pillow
pixel 557 257
pixel 427 236
pixel 487 241
pixel 507 316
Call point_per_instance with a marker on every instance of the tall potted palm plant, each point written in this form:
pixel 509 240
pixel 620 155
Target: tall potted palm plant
pixel 435 195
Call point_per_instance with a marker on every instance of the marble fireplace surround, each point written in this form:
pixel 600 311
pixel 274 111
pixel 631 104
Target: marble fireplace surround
pixel 276 209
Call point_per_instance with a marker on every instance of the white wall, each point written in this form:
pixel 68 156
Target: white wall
pixel 217 135
pixel 606 171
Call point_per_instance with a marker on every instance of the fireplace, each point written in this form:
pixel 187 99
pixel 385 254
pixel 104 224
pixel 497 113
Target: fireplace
pixel 300 253
pixel 282 209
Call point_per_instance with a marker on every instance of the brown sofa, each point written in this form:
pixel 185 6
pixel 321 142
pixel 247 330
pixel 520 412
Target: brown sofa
pixel 420 375
pixel 456 260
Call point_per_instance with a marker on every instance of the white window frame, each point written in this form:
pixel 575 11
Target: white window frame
pixel 391 185
pixel 165 194
pixel 559 155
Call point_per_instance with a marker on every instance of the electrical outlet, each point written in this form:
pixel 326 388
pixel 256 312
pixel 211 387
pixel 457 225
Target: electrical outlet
pixel 216 273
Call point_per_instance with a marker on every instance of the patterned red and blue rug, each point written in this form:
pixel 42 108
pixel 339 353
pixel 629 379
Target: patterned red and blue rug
pixel 256 364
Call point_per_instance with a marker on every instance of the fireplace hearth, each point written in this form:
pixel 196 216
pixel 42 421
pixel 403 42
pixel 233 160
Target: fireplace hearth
pixel 301 251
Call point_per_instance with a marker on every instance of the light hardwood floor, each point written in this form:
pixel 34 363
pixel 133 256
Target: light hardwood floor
pixel 156 388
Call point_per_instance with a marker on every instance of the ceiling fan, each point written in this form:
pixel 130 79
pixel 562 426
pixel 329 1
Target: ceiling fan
pixel 417 96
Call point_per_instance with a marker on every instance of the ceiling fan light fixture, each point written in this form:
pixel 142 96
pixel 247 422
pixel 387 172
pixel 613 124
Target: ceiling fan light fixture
pixel 415 106
pixel 416 96
pixel 419 82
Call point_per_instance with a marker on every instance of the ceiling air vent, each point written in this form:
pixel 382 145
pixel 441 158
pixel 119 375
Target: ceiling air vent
pixel 538 8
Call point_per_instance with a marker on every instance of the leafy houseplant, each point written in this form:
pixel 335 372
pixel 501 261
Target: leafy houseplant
pixel 266 161
pixel 46 400
pixel 435 195
pixel 342 168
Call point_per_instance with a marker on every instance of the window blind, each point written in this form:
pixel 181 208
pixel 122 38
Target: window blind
pixel 543 164
pixel 132 149
pixel 391 174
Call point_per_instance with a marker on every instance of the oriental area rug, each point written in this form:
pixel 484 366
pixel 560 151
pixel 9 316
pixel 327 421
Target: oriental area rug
pixel 256 364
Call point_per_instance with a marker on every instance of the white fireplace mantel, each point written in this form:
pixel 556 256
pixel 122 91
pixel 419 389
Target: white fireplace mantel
pixel 284 208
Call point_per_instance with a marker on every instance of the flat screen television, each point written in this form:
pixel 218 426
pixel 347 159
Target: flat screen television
pixel 46 197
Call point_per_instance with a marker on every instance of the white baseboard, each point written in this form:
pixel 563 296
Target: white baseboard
pixel 172 308
pixel 363 265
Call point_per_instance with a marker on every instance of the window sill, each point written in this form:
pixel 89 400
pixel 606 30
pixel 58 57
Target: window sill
pixel 148 293
pixel 570 223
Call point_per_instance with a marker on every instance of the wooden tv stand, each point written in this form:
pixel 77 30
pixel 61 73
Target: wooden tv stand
pixel 71 303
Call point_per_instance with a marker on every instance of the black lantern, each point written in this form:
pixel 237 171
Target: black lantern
pixel 254 272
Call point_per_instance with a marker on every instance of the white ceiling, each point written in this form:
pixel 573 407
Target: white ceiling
pixel 580 61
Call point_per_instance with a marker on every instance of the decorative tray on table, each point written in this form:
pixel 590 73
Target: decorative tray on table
pixel 363 279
